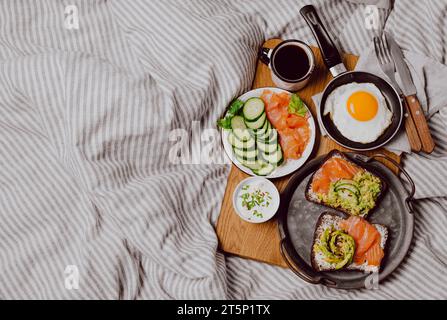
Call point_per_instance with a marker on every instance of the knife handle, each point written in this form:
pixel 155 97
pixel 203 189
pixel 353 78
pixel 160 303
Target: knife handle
pixel 410 128
pixel 428 145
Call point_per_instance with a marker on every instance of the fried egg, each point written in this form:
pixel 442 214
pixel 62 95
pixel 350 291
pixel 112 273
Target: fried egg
pixel 359 111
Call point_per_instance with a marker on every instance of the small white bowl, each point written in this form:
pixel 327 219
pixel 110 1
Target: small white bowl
pixel 268 212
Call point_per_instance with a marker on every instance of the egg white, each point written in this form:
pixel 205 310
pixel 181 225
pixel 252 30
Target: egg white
pixel 354 130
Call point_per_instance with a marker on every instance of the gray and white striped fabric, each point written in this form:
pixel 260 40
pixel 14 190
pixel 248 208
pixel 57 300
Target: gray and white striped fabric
pixel 87 182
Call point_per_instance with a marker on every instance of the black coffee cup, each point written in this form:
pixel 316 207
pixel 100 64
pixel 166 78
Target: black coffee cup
pixel 291 62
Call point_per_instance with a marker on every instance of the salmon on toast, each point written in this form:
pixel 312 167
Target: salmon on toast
pixel 348 244
pixel 344 185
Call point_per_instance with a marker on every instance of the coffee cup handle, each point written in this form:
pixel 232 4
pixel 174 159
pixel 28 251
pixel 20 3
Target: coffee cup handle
pixel 265 55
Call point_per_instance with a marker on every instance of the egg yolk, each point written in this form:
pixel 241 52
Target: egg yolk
pixel 362 106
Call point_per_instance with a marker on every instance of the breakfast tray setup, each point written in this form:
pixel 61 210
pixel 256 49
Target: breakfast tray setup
pixel 262 242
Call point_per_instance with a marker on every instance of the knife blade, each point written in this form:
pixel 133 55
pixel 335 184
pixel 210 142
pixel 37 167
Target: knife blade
pixel 410 92
pixel 407 86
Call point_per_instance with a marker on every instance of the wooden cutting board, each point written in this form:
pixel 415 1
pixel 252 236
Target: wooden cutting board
pixel 261 241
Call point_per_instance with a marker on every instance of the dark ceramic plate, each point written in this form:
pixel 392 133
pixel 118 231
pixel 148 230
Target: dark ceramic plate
pixel 298 218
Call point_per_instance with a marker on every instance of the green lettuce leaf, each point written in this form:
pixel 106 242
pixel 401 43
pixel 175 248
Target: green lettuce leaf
pixel 234 109
pixel 296 106
pixel 235 106
pixel 224 123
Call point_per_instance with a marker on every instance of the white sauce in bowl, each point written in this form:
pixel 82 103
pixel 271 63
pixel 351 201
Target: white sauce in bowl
pixel 256 200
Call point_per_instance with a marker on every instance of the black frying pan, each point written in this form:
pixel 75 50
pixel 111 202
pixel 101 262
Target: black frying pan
pixel 334 63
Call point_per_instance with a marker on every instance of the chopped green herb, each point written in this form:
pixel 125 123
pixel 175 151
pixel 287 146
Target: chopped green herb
pixel 257 198
pixel 258 214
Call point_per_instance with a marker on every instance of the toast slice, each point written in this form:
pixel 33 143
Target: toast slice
pixel 332 220
pixel 358 196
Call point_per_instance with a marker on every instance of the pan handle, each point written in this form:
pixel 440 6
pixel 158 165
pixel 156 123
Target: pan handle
pixel 329 51
pixel 409 200
pixel 302 270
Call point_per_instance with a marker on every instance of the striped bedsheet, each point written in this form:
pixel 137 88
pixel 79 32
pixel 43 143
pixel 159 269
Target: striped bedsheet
pixel 94 203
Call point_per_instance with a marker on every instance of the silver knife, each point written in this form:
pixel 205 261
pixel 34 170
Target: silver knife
pixel 409 90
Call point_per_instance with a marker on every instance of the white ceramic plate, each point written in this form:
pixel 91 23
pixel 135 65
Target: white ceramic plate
pixel 288 166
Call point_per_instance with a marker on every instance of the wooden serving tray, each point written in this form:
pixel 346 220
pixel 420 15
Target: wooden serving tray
pixel 261 241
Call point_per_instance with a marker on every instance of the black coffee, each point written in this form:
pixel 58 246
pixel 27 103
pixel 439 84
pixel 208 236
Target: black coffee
pixel 291 62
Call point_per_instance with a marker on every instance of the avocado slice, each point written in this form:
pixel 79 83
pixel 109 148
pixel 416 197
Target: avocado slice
pixel 337 247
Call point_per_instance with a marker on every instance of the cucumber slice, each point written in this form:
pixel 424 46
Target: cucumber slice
pixel 261 161
pixel 266 147
pixel 246 154
pixel 255 125
pixel 349 187
pixel 347 184
pixel 273 136
pixel 280 161
pixel 273 140
pixel 238 144
pixel 348 195
pixel 253 109
pixel 344 181
pixel 265 170
pixel 270 136
pixel 274 158
pixel 263 130
pixel 242 134
pixel 266 133
pixel 251 164
pixel 238 123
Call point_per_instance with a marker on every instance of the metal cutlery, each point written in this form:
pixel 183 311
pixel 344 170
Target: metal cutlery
pixel 409 90
pixel 387 64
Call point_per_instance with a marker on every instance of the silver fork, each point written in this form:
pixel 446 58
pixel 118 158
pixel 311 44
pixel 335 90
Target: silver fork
pixel 386 62
pixel 383 54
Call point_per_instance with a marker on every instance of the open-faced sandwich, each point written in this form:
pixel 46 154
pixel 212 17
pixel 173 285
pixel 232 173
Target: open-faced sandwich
pixel 341 184
pixel 347 244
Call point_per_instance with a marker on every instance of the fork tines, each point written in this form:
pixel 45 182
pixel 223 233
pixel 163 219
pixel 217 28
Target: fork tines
pixel 382 49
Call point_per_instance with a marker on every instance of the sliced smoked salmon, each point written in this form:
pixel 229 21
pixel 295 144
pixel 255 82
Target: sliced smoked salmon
pixel 292 147
pixel 294 121
pixel 370 236
pixel 277 118
pixel 375 254
pixel 367 240
pixel 333 170
pixel 294 131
